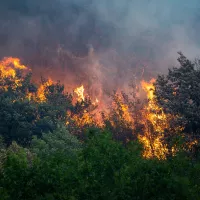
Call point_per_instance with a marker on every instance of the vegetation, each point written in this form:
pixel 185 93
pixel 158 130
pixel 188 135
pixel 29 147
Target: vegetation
pixel 52 148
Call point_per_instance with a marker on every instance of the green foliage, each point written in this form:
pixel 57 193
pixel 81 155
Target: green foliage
pixel 118 121
pixel 21 118
pixel 100 166
pixel 179 93
pixel 15 173
pixel 48 175
pixel 16 120
pixel 101 169
pixel 59 141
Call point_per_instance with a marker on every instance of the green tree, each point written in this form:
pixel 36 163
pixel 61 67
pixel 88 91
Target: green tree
pixel 16 120
pixel 22 117
pixel 48 171
pixel 178 93
pixel 59 141
pixel 100 166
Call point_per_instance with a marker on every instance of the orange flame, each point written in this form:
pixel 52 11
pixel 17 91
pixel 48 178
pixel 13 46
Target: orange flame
pixel 153 146
pixel 9 65
pixel 80 93
pixel 42 89
pixel 8 69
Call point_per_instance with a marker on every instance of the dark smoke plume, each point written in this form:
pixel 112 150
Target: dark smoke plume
pixel 101 42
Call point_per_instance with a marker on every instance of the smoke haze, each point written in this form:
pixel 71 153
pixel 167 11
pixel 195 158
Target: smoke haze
pixel 99 41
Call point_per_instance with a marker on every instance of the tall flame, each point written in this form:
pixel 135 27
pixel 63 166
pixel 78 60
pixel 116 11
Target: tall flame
pixel 156 122
pixel 80 93
pixel 42 89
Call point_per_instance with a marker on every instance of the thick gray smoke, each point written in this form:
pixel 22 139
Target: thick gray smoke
pixel 104 41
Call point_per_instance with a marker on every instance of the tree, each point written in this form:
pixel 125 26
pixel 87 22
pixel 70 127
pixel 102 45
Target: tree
pixel 101 169
pixel 178 93
pixel 22 115
pixel 48 170
pixel 16 120
pixel 123 118
pixel 59 141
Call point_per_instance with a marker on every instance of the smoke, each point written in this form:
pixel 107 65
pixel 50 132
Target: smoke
pixel 153 29
pixel 99 42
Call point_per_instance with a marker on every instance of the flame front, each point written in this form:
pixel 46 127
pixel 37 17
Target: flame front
pixel 120 112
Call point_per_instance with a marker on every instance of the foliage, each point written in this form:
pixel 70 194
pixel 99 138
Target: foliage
pixel 22 115
pixel 179 93
pixel 102 169
pixel 59 141
pixel 100 166
pixel 37 176
pixel 41 159
pixel 124 117
pixel 16 120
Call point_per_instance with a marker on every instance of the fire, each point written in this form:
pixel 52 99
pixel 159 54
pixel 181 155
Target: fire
pixel 8 69
pixel 86 117
pixel 119 115
pixel 42 90
pixel 80 93
pixel 149 88
pixel 120 112
pixel 154 147
pixel 155 121
pixel 125 112
pixel 96 102
pixel 154 113
pixel 84 120
pixel 9 65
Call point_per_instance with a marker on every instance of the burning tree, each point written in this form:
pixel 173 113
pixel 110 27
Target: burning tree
pixel 119 121
pixel 178 93
pixel 157 124
pixel 37 108
pixel 26 108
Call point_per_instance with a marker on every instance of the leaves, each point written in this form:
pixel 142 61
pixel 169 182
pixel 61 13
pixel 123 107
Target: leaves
pixel 178 93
